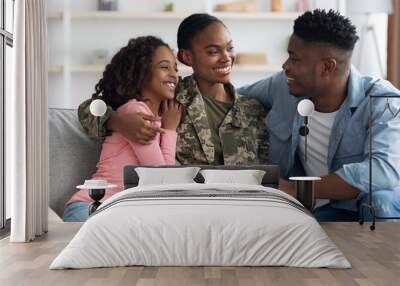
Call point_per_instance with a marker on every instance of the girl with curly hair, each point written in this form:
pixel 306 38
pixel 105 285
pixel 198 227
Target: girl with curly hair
pixel 141 77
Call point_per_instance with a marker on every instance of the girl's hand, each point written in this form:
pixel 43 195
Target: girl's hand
pixel 171 114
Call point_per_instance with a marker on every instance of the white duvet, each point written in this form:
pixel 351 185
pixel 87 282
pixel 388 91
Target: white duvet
pixel 220 225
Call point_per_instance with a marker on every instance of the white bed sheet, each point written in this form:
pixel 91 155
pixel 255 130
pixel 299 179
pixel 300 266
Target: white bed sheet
pixel 192 231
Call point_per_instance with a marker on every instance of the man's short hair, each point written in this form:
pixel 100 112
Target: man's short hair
pixel 324 27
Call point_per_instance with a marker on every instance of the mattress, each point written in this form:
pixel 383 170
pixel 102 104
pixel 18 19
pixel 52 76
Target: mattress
pixel 201 225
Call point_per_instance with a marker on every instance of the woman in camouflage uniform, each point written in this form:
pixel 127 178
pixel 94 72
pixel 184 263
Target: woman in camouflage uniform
pixel 217 126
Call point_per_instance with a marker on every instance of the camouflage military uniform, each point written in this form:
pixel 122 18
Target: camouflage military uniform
pixel 242 133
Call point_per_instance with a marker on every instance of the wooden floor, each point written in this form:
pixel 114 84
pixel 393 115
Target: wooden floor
pixel 374 255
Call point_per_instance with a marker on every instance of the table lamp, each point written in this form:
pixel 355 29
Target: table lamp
pixel 305 185
pixel 96 188
pixel 98 108
pixel 305 108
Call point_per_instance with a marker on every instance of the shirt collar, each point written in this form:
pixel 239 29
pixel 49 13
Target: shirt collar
pixel 355 89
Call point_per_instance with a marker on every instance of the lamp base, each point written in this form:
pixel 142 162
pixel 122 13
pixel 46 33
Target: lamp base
pixel 372 211
pixel 305 190
pixel 305 193
pixel 96 195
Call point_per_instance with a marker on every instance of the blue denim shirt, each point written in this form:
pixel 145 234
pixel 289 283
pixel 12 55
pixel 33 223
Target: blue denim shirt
pixel 348 149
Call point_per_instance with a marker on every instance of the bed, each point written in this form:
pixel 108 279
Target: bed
pixel 201 224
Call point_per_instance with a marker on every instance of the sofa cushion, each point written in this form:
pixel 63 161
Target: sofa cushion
pixel 73 156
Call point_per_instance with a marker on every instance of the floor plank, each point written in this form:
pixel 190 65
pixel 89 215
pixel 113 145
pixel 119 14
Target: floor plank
pixel 374 255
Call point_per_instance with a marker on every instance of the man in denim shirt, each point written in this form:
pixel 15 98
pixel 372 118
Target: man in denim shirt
pixel 319 68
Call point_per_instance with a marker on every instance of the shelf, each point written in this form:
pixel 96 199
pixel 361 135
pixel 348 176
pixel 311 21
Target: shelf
pixel 55 16
pixel 116 15
pixel 257 16
pixel 257 68
pixel 55 69
pixel 100 68
pixel 87 68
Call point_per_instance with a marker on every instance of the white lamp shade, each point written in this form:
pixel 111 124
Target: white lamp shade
pixel 305 107
pixel 98 107
pixel 369 6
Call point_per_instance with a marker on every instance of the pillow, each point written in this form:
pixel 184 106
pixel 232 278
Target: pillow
pixel 164 176
pixel 248 177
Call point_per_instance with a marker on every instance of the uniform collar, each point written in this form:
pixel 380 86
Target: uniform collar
pixel 188 93
pixel 187 90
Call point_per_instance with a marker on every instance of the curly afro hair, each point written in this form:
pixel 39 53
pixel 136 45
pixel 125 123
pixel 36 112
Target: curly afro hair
pixel 127 72
pixel 329 27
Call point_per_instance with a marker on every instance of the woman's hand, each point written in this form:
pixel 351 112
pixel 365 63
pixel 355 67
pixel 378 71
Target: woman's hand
pixel 171 114
pixel 134 126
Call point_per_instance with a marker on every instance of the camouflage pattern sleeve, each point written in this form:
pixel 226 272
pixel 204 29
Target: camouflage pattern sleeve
pixel 246 134
pixel 88 121
pixel 255 114
pixel 263 138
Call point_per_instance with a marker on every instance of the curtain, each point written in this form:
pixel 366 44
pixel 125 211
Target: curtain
pixel 26 128
pixel 393 45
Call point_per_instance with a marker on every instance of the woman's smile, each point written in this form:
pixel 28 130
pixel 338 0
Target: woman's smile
pixel 225 70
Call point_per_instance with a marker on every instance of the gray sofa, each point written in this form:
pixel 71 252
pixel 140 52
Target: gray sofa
pixel 73 156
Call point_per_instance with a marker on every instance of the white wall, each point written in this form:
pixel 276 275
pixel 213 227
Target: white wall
pixel 368 63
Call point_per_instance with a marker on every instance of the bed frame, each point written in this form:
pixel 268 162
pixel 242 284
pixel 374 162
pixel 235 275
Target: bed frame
pixel 270 179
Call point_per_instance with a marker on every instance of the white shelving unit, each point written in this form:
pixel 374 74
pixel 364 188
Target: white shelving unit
pixel 159 16
pixel 76 29
pixel 181 68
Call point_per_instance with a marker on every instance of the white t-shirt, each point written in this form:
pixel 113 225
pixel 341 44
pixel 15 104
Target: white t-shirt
pixel 320 127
